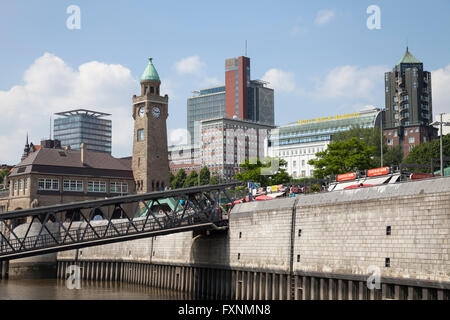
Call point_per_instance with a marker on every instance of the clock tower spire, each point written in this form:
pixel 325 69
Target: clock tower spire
pixel 150 157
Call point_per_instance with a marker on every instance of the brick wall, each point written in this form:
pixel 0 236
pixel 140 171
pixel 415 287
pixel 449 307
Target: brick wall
pixel 342 232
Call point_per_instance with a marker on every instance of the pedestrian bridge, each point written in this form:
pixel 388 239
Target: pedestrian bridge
pixel 97 222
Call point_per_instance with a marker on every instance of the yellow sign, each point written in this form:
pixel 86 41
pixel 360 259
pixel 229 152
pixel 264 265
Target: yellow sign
pixel 336 117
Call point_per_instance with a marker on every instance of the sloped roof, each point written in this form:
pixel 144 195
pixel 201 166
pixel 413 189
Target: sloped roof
pixel 58 159
pixel 409 58
pixel 150 72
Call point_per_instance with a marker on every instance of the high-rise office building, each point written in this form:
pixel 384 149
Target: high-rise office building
pixel 240 98
pixel 84 126
pixel 408 104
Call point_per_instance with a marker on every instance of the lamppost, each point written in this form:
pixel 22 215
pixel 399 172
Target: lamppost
pixel 440 123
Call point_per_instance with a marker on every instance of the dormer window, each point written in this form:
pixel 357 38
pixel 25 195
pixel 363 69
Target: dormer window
pixel 152 90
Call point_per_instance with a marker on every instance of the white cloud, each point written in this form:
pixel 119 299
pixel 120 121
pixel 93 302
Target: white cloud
pixel 440 82
pixel 352 82
pixel 190 65
pixel 49 86
pixel 324 16
pixel 178 136
pixel 279 80
pixel 210 81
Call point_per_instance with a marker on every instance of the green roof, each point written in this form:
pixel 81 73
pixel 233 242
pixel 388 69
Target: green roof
pixel 150 72
pixel 409 58
pixel 446 172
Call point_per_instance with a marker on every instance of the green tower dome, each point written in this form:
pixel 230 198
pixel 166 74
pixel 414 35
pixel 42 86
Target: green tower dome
pixel 150 72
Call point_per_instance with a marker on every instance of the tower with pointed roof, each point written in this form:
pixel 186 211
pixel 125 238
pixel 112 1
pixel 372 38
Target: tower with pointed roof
pixel 150 156
pixel 408 104
pixel 26 150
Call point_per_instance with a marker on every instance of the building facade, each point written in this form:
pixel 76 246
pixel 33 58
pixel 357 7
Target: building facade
pixel 409 111
pixel 84 126
pixel 208 104
pixel 50 176
pixel 226 143
pixel 298 142
pixel 240 98
pixel 186 157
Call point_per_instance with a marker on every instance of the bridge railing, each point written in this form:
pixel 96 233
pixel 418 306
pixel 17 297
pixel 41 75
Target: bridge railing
pixel 69 226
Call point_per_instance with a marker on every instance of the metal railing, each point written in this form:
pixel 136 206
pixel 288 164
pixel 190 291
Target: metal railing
pixel 70 226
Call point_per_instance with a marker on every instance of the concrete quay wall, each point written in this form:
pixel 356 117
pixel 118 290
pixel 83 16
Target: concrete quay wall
pixel 321 246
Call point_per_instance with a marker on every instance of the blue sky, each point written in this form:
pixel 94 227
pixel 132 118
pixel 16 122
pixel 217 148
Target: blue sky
pixel 318 55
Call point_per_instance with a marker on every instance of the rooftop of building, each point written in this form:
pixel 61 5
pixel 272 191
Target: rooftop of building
pixel 83 112
pixel 408 58
pixel 237 121
pixel 150 72
pixel 369 111
pixel 58 161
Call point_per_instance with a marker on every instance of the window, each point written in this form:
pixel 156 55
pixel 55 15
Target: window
pixel 48 184
pixel 294 164
pixel 73 185
pixel 411 139
pixel 15 185
pixel 26 183
pixel 20 185
pixel 395 133
pixel 96 186
pixel 118 187
pixel 389 141
pixel 140 135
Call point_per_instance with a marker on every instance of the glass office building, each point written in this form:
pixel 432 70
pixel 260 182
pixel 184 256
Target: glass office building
pixel 298 142
pixel 208 104
pixel 84 126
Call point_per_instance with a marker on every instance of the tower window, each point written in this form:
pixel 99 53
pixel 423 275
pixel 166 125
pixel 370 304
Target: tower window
pixel 152 89
pixel 140 135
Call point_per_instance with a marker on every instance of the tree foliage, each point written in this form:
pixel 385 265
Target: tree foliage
pixel 343 156
pixel 191 180
pixel 423 153
pixel 251 172
pixel 205 176
pixel 4 173
pixel 372 138
pixel 178 180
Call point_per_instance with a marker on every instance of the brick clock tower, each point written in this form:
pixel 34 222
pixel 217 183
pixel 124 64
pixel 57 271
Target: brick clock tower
pixel 150 162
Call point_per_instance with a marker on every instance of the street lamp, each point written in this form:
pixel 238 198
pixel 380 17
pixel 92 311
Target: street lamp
pixel 440 123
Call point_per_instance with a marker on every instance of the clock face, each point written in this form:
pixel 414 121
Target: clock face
pixel 141 112
pixel 156 112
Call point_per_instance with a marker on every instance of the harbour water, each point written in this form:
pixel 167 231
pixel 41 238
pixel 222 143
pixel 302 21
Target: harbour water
pixel 56 289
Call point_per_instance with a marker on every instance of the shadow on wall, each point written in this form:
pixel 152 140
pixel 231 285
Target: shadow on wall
pixel 210 252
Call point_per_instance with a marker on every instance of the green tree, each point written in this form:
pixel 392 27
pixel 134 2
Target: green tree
pixel 251 172
pixel 178 181
pixel 343 156
pixel 423 153
pixel 392 156
pixel 4 173
pixel 171 178
pixel 191 180
pixel 372 138
pixel 205 176
pixel 215 179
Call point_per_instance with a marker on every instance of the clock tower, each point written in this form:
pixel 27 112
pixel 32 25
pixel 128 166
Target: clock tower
pixel 150 162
